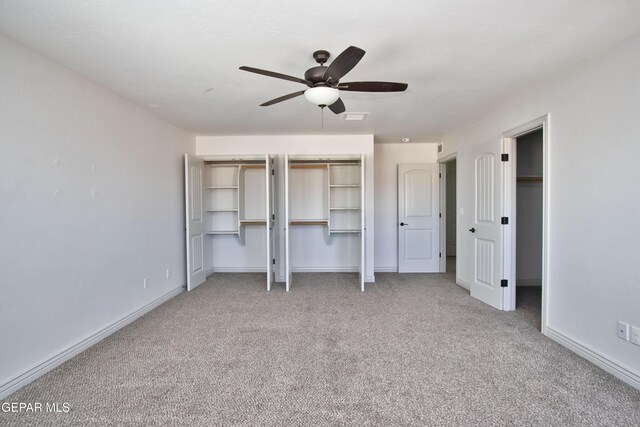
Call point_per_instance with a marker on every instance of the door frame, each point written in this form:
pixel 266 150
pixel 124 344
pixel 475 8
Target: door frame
pixel 508 189
pixel 442 161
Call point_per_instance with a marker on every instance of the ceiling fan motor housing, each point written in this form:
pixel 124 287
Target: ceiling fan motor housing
pixel 316 76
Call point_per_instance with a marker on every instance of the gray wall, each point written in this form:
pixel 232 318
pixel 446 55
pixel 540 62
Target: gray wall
pixel 593 173
pixel 92 203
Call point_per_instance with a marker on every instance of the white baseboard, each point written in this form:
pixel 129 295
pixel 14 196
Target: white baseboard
pixel 617 370
pixel 386 269
pixel 325 269
pixel 367 279
pixel 463 284
pixel 39 370
pixel 238 270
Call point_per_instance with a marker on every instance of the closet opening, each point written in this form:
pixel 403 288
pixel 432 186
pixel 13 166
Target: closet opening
pixel 324 215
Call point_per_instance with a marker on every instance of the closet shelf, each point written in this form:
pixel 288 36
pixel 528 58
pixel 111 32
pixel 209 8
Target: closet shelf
pixel 222 232
pixel 344 209
pixel 344 186
pixel 529 179
pixel 222 187
pixel 345 231
pixel 222 210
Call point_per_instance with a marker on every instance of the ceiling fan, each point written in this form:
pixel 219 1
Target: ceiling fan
pixel 324 82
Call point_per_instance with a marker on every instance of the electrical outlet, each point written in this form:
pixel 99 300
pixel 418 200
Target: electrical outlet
pixel 145 283
pixel 168 272
pixel 623 331
pixel 635 335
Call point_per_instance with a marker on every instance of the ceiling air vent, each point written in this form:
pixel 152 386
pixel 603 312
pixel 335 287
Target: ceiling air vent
pixel 355 116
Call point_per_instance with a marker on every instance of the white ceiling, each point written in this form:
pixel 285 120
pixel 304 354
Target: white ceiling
pixel 180 58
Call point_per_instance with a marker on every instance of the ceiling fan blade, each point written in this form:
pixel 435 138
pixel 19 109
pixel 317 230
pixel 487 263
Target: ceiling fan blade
pixel 337 107
pixel 343 63
pixel 282 98
pixel 373 87
pixel 276 75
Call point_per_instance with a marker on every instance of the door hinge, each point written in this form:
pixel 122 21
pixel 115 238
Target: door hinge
pixel 504 220
pixel 504 157
pixel 439 175
pixel 504 283
pixel 273 217
pixel 273 172
pixel 273 261
pixel 440 254
pixel 440 215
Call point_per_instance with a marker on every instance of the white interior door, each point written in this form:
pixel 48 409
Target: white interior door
pixel 287 263
pixel 418 218
pixel 268 167
pixel 485 231
pixel 195 224
pixel 363 227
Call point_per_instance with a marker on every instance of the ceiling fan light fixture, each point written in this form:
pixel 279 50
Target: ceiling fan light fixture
pixel 322 95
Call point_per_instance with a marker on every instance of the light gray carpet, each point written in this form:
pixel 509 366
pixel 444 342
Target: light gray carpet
pixel 412 350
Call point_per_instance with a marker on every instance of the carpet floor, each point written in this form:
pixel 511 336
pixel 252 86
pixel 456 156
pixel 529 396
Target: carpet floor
pixel 413 349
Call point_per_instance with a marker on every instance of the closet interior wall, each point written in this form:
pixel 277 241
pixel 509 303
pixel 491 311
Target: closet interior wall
pixel 239 213
pixel 325 221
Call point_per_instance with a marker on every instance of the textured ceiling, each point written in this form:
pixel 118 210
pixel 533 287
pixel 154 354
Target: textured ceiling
pixel 180 58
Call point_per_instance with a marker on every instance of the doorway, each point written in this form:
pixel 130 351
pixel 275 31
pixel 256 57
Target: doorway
pixel 526 195
pixel 448 223
pixel 528 224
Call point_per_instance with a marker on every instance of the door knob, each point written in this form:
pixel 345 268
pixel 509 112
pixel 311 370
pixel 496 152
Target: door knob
pixel 402 224
pixel 473 230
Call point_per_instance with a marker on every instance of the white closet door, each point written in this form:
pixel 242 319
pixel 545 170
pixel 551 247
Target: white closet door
pixel 362 222
pixel 287 264
pixel 195 224
pixel 269 223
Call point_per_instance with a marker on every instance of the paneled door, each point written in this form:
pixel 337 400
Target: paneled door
pixel 418 218
pixel 287 258
pixel 195 224
pixel 269 216
pixel 485 229
pixel 363 225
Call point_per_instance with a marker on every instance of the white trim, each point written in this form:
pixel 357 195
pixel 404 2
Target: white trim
pixel 614 368
pixel 42 368
pixel 239 270
pixel 463 284
pixel 370 279
pixel 450 156
pixel 509 188
pixel 442 171
pixel 386 269
pixel 354 269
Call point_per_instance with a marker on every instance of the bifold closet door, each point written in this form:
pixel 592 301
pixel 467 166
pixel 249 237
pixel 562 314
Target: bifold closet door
pixel 195 224
pixel 287 263
pixel 269 219
pixel 362 223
